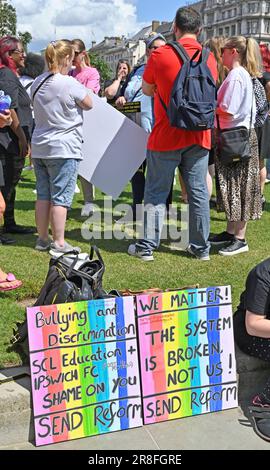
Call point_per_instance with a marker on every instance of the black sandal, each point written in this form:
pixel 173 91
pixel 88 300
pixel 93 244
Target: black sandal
pixel 261 421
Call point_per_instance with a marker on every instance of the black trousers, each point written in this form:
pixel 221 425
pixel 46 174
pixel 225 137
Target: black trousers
pixel 12 169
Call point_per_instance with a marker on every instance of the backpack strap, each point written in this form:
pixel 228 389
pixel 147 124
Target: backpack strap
pixel 205 54
pixel 181 51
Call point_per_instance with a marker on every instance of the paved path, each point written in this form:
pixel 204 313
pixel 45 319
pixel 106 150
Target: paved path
pixel 226 430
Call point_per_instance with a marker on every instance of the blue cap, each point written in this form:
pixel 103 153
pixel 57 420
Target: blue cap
pixel 153 37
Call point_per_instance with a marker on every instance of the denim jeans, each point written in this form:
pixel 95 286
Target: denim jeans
pixel 193 162
pixel 56 179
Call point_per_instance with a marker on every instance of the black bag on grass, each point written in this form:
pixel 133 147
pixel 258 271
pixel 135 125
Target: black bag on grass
pixel 68 280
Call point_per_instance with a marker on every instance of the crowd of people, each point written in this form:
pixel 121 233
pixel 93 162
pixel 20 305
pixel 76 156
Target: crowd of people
pixel 45 118
pixel 46 113
pixel 52 129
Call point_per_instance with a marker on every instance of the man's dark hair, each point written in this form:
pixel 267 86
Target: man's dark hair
pixel 34 65
pixel 188 20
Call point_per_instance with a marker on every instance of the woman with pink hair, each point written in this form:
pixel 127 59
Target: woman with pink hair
pixel 7 280
pixel 14 140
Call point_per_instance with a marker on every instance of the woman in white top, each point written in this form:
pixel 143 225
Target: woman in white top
pixel 58 102
pixel 238 191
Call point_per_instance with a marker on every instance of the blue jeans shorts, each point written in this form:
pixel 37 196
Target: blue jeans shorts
pixel 56 180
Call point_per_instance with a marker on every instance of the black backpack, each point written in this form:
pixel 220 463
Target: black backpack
pixel 68 280
pixel 193 97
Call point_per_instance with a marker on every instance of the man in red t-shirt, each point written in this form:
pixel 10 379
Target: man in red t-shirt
pixel 169 147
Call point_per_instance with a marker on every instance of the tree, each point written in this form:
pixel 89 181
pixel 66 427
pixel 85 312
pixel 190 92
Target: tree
pixel 103 68
pixel 8 19
pixel 25 38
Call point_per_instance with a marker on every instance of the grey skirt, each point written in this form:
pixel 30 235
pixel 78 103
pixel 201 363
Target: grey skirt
pixel 238 188
pixel 2 181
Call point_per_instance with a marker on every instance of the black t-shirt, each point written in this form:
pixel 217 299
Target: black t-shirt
pixel 256 299
pixel 119 91
pixel 20 101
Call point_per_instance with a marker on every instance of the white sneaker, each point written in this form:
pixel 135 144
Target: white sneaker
pixel 56 250
pixel 87 209
pixel 144 256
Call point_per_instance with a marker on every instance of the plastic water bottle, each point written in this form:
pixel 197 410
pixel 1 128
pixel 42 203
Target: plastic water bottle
pixel 5 101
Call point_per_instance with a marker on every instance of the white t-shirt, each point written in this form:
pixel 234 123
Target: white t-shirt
pixel 58 118
pixel 236 97
pixel 25 80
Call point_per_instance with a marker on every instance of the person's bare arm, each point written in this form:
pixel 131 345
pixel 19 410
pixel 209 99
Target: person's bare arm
pixel 267 91
pixel 257 325
pixel 111 90
pixel 148 89
pixel 18 131
pixel 86 103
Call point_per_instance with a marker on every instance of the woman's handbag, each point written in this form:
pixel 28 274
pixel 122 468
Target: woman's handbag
pixel 233 144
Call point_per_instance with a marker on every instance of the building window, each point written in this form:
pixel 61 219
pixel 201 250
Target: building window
pixel 267 7
pixel 252 27
pixel 227 31
pixel 239 27
pixel 220 32
pixel 267 26
pixel 253 7
pixel 210 19
pixel 233 30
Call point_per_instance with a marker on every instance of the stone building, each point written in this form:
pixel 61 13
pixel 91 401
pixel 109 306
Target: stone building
pixel 220 18
pixel 237 17
pixel 112 49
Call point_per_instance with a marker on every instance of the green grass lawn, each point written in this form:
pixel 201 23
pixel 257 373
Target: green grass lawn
pixel 171 269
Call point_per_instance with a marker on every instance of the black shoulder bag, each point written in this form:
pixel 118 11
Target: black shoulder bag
pixel 233 144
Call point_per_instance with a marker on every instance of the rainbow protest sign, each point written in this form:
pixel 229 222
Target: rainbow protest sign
pixel 186 353
pixel 84 369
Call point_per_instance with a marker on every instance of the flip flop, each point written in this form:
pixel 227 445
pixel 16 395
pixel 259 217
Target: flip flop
pixel 10 278
pixel 261 421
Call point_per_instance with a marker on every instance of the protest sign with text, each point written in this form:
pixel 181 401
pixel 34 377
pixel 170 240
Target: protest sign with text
pixel 84 369
pixel 186 352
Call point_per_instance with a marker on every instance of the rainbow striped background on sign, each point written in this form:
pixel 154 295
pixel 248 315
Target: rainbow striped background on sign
pixel 155 384
pixel 122 365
